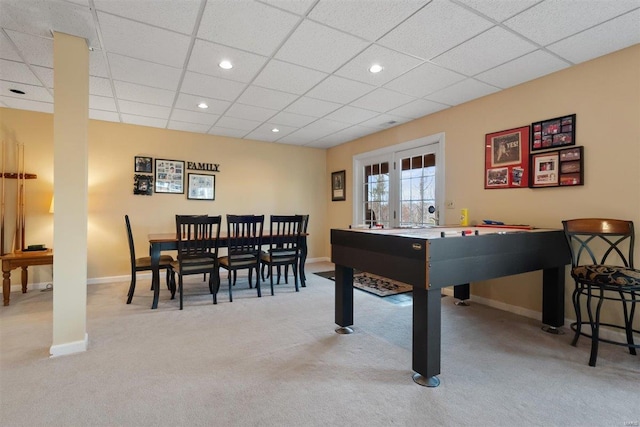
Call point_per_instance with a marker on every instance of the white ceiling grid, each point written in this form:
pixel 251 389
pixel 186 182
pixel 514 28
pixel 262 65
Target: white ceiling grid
pixel 300 65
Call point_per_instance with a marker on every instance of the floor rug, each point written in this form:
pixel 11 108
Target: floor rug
pixel 372 283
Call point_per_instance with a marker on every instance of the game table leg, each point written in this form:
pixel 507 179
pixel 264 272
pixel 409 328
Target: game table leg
pixel 426 336
pixel 462 294
pixel 344 299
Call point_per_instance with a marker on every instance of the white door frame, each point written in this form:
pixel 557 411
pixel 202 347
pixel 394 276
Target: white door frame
pixel 359 161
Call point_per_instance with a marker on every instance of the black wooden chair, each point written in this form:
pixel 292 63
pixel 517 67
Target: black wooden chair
pixel 142 264
pixel 284 247
pixel 602 268
pixel 244 239
pixel 198 241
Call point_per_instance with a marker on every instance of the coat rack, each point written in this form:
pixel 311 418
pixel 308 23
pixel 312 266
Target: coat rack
pixel 18 242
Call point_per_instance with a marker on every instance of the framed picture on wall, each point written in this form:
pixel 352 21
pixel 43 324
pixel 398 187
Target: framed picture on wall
pixel 558 168
pixel 553 133
pixel 143 164
pixel 507 159
pixel 169 176
pixel 201 187
pixel 338 191
pixel 143 185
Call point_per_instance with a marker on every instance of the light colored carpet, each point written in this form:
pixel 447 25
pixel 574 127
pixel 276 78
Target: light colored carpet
pixel 276 361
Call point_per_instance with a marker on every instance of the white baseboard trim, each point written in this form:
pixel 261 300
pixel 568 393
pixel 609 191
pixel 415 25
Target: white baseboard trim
pixel 610 334
pixel 70 347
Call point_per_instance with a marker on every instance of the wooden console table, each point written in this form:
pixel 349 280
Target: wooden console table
pixel 24 260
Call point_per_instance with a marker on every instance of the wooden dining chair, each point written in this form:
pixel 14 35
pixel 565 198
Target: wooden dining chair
pixel 284 246
pixel 244 240
pixel 198 242
pixel 603 270
pixel 143 263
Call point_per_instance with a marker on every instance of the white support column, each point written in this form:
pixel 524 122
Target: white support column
pixel 70 138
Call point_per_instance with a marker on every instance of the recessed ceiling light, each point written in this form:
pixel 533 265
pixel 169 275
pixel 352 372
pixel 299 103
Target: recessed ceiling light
pixel 226 65
pixel 18 91
pixel 375 68
pixel 275 130
pixel 203 105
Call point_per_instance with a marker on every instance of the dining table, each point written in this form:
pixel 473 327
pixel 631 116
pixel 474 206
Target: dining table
pixel 159 242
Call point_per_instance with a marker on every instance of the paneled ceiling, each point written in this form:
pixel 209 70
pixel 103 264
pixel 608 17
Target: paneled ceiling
pixel 300 66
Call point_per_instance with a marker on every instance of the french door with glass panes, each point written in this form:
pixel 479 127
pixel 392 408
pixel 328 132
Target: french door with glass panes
pixel 402 186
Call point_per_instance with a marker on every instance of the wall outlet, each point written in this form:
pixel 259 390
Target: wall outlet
pixel 449 204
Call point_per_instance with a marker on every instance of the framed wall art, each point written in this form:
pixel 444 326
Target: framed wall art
pixel 169 176
pixel 553 133
pixel 338 191
pixel 201 187
pixel 507 159
pixel 558 168
pixel 143 164
pixel 143 185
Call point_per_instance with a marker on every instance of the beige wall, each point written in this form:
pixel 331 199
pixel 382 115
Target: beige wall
pixel 605 95
pixel 255 177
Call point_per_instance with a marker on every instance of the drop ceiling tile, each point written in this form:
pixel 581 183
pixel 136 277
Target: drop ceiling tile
pixel 214 87
pixel 35 50
pixel 32 93
pixel 341 137
pixel 436 28
pixel 487 50
pixel 7 51
pixel 44 74
pixel 144 72
pixel 323 127
pixel 499 9
pixel 531 66
pixel 194 117
pixel 145 94
pixel 299 7
pixel 107 116
pixel 206 56
pixel 264 132
pixel 97 64
pixel 140 109
pixel 302 136
pixel 384 121
pixel 613 35
pixel 221 131
pixel 188 127
pixel 26 104
pixel 102 103
pixel 340 90
pixel 151 43
pixel 250 26
pixel 236 123
pixel 41 17
pixel 291 119
pixel 321 48
pixel 17 72
pixel 463 91
pixel 178 16
pixel 366 19
pixel 351 115
pixel 393 63
pixel 552 20
pixel 250 112
pixel 423 80
pixel 190 102
pixel 418 108
pixel 266 98
pixel 382 100
pixel 312 107
pixel 99 86
pixel 287 77
pixel 144 121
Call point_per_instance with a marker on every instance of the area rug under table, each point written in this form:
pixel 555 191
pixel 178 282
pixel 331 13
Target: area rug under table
pixel 372 283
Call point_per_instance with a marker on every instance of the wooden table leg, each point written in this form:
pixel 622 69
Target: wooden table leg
pixel 6 286
pixel 24 276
